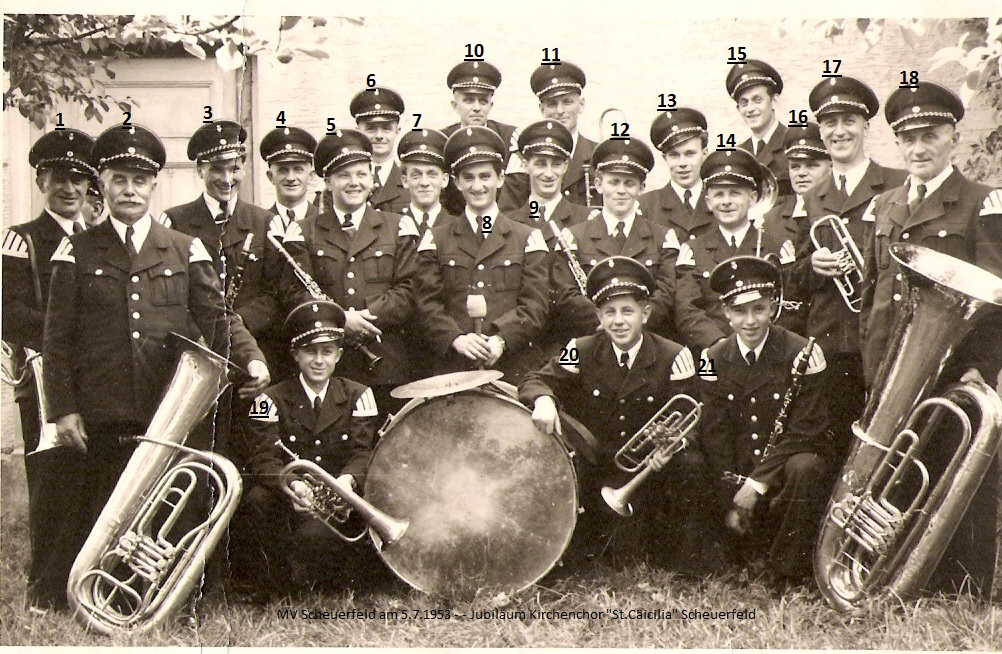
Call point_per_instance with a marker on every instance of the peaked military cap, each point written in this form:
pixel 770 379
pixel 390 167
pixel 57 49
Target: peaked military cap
pixel 673 127
pixel 750 73
pixel 424 146
pixel 316 321
pixel 552 80
pixel 343 147
pixel 474 144
pixel 744 279
pixel 287 144
pixel 217 141
pixel 735 167
pixel 804 142
pixel 546 137
pixel 843 95
pixel 619 275
pixel 474 76
pixel 616 155
pixel 926 105
pixel 131 147
pixel 378 103
pixel 69 149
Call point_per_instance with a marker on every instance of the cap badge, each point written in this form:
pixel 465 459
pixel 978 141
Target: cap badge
pixel 734 265
pixel 549 139
pixel 316 309
pixel 344 150
pixel 469 132
pixel 69 153
pixel 915 110
pixel 473 148
pixel 287 131
pixel 739 283
pixel 318 324
pixel 219 128
pixel 727 169
pixel 834 98
pixel 424 132
pixel 222 141
pixel 377 105
pixel 803 142
pixel 424 147
pixel 132 150
pixel 288 146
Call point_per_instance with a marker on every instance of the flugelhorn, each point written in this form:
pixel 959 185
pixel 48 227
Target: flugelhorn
pixel 888 522
pixel 850 284
pixel 659 440
pixel 147 550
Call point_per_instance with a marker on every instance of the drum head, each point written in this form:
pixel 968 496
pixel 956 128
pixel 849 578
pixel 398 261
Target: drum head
pixel 451 382
pixel 491 501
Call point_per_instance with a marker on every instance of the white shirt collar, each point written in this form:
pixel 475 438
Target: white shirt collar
pixel 299 211
pixel 931 186
pixel 632 352
pixel 356 215
pixel 574 138
pixel 853 176
pixel 696 190
pixel 310 392
pixel 216 207
pixel 471 217
pixel 550 206
pixel 611 221
pixel 739 234
pixel 418 214
pixel 66 223
pixel 768 133
pixel 140 230
pixel 384 171
pixel 744 349
pixel 799 208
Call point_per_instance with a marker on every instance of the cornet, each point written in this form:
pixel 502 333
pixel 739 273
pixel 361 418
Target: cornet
pixel 850 260
pixel 661 438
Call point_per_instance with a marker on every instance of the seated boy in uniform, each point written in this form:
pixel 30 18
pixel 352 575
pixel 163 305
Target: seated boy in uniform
pixel 316 417
pixel 767 479
pixel 614 381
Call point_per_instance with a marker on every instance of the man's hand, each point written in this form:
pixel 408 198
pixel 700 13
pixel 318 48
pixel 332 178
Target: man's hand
pixel 260 378
pixel 360 324
pixel 473 347
pixel 826 264
pixel 972 375
pixel 545 415
pixel 746 498
pixel 737 520
pixel 304 493
pixel 497 349
pixel 70 430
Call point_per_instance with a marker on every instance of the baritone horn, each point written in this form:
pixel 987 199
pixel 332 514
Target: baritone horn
pixel 147 550
pixel 890 517
pixel 654 444
pixel 850 284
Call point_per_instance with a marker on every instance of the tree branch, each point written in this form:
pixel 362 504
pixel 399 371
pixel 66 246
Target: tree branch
pixel 70 39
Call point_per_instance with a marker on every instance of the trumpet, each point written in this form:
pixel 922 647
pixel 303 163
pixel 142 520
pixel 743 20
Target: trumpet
pixel 850 284
pixel 318 294
pixel 655 443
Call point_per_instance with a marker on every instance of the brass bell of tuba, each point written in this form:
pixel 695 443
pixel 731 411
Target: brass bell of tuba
pixel 889 520
pixel 144 556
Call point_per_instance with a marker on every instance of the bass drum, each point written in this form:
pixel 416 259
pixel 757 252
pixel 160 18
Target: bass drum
pixel 491 500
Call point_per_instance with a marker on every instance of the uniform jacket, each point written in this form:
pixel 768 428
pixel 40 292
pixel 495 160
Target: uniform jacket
pixel 258 300
pixel 665 208
pixel 694 301
pixel 516 186
pixel 422 227
pixel 741 403
pixel 508 268
pixel 773 157
pixel 392 196
pixel 573 186
pixel 311 211
pixel 591 242
pixel 339 441
pixel 105 348
pixel 375 270
pixel 828 318
pixel 961 218
pixel 781 222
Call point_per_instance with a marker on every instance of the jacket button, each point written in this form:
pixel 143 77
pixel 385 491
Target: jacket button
pixel 316 442
pixel 351 291
pixel 480 284
pixel 317 459
pixel 593 262
pixel 897 297
pixel 775 396
pixel 595 392
pixel 754 418
pixel 480 267
pixel 292 439
pixel 753 400
pixel 730 396
pixel 320 253
pixel 622 433
pixel 135 315
pixel 692 236
pixel 344 437
pixel 98 272
pixel 898 277
pixel 622 400
pixel 350 275
pixel 706 273
pixel 622 418
pixel 452 262
pixel 135 279
pixel 351 259
pixel 650 399
pixel 567 192
pixel 757 452
pixel 135 334
pixel 905 236
pixel 942 233
pixel 168 272
pixel 507 262
pixel 754 437
pixel 135 296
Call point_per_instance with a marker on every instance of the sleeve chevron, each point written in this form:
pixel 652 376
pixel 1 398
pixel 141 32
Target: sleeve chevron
pixel 707 375
pixel 685 256
pixel 569 361
pixel 683 367
pixel 535 242
pixel 870 215
pixel 294 233
pixel 407 227
pixel 165 220
pixel 14 245
pixel 427 243
pixel 787 253
pixel 671 241
pixel 817 361
pixel 64 252
pixel 365 406
pixel 263 409
pixel 569 239
pixel 992 206
pixel 197 252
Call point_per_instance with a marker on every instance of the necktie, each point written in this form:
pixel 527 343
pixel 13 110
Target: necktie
pixel 376 184
pixel 734 242
pixel 427 220
pixel 291 214
pixel 842 184
pixel 77 227
pixel 130 245
pixel 624 360
pixel 687 200
pixel 480 228
pixel 542 214
pixel 756 146
pixel 223 216
pixel 750 358
pixel 317 405
pixel 914 204
pixel 348 226
pixel 620 234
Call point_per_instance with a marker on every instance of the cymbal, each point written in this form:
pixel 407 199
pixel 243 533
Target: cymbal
pixel 446 384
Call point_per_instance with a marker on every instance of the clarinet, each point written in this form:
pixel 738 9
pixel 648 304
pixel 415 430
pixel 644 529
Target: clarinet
pixel 576 270
pixel 238 275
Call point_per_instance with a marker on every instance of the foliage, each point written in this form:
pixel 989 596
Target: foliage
pixel 50 58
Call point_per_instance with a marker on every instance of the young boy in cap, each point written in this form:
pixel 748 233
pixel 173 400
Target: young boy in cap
pixel 614 382
pixel 766 479
pixel 560 89
pixel 316 417
pixel 288 152
pixel 489 294
pixel 377 112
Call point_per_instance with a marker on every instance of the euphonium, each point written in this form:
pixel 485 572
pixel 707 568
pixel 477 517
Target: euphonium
pixel 850 283
pixel 662 437
pixel 142 559
pixel 889 521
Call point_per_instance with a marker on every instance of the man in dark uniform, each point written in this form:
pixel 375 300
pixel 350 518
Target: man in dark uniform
pixel 733 181
pixel 614 382
pixel 559 88
pixel 365 260
pixel 843 107
pixel 93 207
pixel 766 479
pixel 117 291
pixel 62 161
pixel 938 208
pixel 288 151
pixel 490 282
pixel 377 112
pixel 320 418
pixel 680 205
pixel 754 85
pixel 473 84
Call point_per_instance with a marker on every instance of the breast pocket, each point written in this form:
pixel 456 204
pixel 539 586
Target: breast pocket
pixel 506 274
pixel 325 268
pixel 103 286
pixel 377 266
pixel 949 239
pixel 455 270
pixel 168 286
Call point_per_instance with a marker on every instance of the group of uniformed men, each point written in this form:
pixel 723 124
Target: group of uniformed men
pixel 482 210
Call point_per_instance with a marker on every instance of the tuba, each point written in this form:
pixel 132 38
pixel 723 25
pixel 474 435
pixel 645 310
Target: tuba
pixel 145 554
pixel 850 284
pixel 890 517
